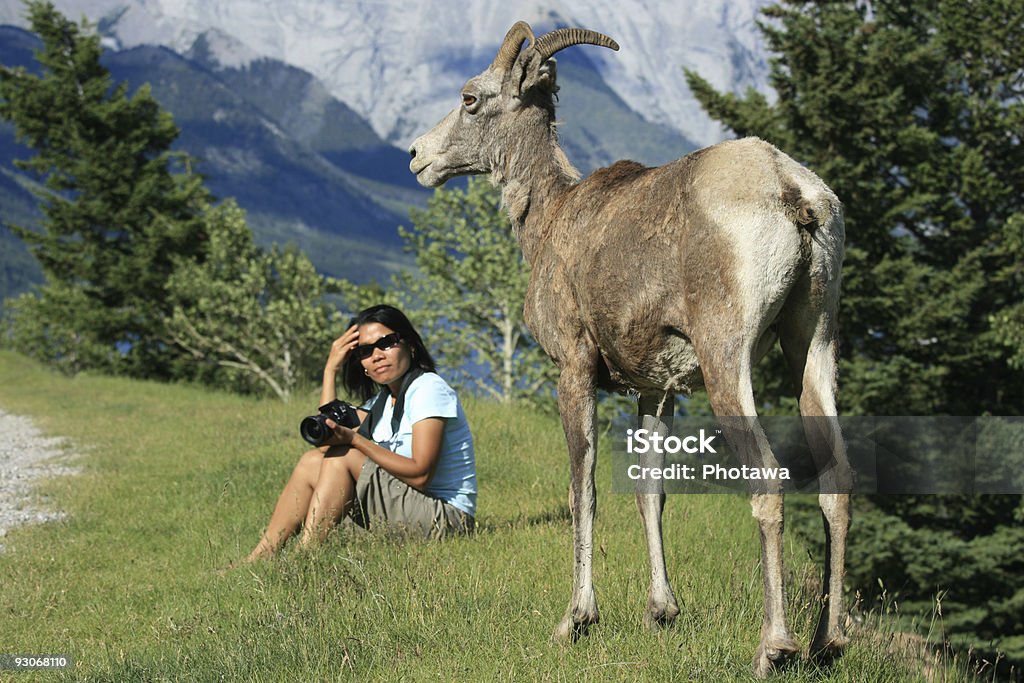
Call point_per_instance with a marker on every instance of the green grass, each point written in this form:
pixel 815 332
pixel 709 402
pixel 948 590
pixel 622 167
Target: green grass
pixel 176 481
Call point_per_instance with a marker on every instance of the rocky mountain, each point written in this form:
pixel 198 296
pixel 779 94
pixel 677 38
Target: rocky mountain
pixel 267 161
pixel 399 63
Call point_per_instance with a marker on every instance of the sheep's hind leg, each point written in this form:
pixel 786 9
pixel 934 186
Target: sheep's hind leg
pixel 835 483
pixel 808 336
pixel 729 387
pixel 655 416
pixel 777 644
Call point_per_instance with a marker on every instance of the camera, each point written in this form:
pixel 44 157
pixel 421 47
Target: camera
pixel 314 428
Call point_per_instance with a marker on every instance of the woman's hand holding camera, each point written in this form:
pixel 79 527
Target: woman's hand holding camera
pixel 342 435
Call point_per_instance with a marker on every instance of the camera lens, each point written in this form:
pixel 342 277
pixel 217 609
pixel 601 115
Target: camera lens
pixel 314 430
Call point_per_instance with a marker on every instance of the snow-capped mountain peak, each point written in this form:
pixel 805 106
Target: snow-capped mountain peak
pixel 400 63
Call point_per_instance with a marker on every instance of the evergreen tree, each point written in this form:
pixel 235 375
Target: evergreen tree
pixel 913 113
pixel 116 216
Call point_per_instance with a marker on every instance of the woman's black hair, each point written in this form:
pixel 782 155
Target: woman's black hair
pixel 353 377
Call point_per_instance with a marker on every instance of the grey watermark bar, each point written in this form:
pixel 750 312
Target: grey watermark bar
pixel 31 662
pixel 881 455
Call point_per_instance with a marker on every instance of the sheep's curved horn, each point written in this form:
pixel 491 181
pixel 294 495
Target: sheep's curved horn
pixel 509 49
pixel 559 39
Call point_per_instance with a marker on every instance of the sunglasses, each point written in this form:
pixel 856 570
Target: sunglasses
pixel 364 351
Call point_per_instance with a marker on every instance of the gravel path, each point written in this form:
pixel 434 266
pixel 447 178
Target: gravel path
pixel 26 456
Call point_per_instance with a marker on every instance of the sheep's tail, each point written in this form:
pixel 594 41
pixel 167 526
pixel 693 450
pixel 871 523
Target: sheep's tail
pixel 828 239
pixel 818 211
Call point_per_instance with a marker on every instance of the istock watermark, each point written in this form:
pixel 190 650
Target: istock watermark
pixel 645 441
pixel 885 455
pixel 707 473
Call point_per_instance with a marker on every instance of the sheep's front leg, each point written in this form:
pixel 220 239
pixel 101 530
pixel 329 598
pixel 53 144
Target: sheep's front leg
pixel 576 397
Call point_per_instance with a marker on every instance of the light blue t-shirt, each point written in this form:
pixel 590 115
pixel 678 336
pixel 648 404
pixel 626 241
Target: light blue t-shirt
pixel 454 479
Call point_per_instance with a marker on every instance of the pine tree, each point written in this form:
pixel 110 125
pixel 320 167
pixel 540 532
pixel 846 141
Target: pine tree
pixel 913 115
pixel 115 215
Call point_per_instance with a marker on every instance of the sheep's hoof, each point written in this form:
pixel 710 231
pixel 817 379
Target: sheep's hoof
pixel 825 652
pixel 574 625
pixel 773 655
pixel 659 615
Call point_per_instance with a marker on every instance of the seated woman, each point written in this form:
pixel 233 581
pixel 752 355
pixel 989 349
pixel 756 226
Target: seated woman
pixel 411 462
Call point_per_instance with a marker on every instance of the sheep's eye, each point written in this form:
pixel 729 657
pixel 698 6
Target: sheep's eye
pixel 468 100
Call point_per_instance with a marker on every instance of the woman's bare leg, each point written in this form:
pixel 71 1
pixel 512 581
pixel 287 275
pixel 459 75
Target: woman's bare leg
pixel 292 505
pixel 333 494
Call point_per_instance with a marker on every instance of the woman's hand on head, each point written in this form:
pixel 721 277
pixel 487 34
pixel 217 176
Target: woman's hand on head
pixel 342 347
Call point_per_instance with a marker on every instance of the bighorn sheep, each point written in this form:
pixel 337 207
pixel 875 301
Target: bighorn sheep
pixel 659 280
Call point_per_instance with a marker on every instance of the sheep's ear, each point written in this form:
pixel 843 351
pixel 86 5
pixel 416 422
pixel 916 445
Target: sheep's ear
pixel 531 71
pixel 516 80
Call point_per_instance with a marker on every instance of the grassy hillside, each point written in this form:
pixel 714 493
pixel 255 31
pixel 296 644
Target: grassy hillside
pixel 175 482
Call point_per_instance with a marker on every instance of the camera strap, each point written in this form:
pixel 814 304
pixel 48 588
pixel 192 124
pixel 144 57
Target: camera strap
pixel 377 410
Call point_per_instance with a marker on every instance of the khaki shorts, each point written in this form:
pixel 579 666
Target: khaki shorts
pixel 384 502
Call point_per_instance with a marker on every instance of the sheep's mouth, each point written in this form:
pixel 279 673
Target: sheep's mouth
pixel 423 175
pixel 417 165
pixel 428 179
pixel 429 175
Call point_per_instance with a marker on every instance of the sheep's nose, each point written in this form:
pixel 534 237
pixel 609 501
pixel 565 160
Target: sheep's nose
pixel 412 152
